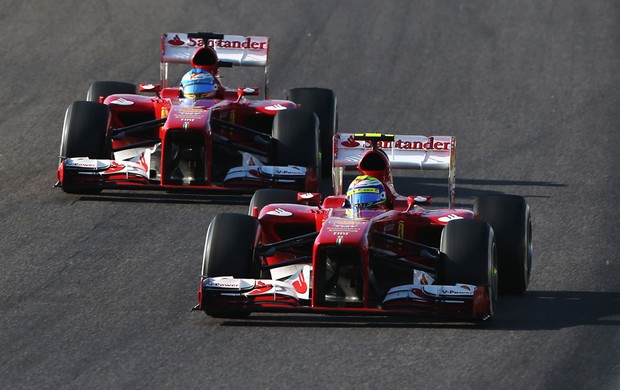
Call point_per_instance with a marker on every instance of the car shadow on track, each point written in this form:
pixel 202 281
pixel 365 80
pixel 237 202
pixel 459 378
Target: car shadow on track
pixel 435 187
pixel 165 197
pixel 534 310
pixel 466 189
pixel 342 321
pixel 544 310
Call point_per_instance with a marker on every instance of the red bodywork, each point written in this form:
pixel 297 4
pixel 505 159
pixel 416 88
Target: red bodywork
pixel 375 252
pixel 167 142
pixel 194 126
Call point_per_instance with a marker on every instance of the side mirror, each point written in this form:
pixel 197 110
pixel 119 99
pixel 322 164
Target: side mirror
pixel 417 200
pixel 312 198
pixel 153 88
pixel 247 91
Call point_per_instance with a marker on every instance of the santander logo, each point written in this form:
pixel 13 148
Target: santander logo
pixel 260 288
pixel 115 167
pixel 403 144
pixel 279 213
pixel 176 41
pixel 350 142
pixel 231 42
pixel 247 43
pixel 300 284
pixel 275 107
pixel 122 102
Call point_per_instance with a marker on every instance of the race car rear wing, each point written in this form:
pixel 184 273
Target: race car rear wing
pixel 403 151
pixel 231 50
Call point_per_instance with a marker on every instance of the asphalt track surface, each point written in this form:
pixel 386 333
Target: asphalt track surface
pixel 95 292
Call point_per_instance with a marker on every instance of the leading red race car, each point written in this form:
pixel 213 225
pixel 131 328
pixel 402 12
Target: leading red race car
pixel 123 140
pixel 333 256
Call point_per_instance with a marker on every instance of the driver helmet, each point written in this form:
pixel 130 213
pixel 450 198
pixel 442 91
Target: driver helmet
pixel 199 84
pixel 366 192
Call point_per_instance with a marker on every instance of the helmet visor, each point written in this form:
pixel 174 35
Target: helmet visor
pixel 203 95
pixel 366 198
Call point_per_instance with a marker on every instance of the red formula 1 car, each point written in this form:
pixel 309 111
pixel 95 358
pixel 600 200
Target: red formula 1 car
pixel 404 259
pixel 123 140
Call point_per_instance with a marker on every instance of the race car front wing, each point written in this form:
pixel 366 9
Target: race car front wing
pixel 103 173
pixel 460 301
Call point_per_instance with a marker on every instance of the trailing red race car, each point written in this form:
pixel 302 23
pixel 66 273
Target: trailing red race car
pixel 371 250
pixel 200 135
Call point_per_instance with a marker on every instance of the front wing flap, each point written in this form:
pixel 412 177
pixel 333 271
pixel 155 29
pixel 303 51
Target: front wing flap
pixel 233 293
pixel 86 171
pixel 266 176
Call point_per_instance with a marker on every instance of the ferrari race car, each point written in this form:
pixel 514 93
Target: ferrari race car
pixel 119 139
pixel 296 252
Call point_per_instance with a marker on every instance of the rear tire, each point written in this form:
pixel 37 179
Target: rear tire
pixel 266 196
pixel 84 135
pixel 323 103
pixel 107 88
pixel 469 256
pixel 229 251
pixel 509 215
pixel 296 136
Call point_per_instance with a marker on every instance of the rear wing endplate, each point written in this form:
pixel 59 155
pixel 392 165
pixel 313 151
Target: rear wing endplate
pixel 232 50
pixel 404 152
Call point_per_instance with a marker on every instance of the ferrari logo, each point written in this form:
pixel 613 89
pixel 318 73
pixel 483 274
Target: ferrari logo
pixel 401 229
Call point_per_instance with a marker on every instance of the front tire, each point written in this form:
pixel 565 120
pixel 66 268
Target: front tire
pixel 509 215
pixel 84 135
pixel 265 196
pixel 104 89
pixel 469 256
pixel 229 251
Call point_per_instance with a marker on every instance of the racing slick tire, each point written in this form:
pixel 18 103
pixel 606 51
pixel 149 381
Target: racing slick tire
pixel 265 196
pixel 296 136
pixel 106 88
pixel 469 256
pixel 323 103
pixel 509 216
pixel 84 135
pixel 229 251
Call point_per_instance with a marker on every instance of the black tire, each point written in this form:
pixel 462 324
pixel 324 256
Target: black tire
pixel 509 215
pixel 229 251
pixel 323 103
pixel 266 196
pixel 84 135
pixel 469 256
pixel 107 88
pixel 84 130
pixel 296 137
